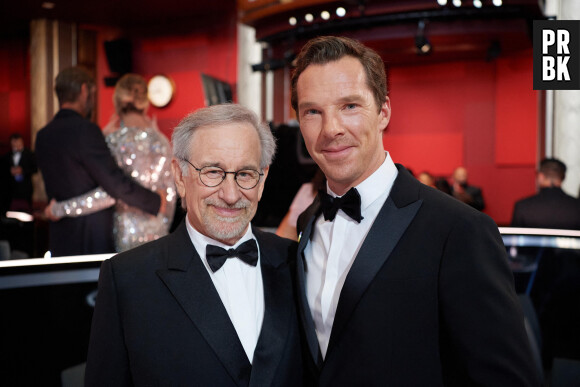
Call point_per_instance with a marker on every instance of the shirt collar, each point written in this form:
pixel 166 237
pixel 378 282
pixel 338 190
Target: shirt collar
pixel 376 184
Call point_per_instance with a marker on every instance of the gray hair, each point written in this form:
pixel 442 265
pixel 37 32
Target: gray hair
pixel 220 115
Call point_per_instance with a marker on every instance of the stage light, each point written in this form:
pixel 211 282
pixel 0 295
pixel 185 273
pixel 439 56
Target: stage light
pixel 498 3
pixel 325 15
pixel 340 12
pixel 292 21
pixel 422 43
pixel 477 3
pixel 308 17
pixel 457 3
pixel 442 2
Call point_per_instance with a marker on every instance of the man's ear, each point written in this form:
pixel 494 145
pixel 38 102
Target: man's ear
pixel 263 182
pixel 178 177
pixel 385 114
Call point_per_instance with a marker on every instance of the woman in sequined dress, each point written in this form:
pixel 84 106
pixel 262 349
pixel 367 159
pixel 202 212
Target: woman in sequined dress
pixel 143 153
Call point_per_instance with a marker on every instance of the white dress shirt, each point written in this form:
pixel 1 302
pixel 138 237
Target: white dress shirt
pixel 16 157
pixel 334 246
pixel 240 288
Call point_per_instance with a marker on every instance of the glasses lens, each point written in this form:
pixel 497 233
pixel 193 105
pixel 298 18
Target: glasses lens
pixel 212 176
pixel 247 178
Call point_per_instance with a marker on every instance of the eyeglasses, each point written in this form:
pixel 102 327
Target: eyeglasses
pixel 213 176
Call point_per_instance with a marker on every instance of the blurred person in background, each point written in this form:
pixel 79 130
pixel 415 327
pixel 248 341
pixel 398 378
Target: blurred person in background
pixel 144 153
pixel 468 194
pixel 20 164
pixel 551 207
pixel 74 159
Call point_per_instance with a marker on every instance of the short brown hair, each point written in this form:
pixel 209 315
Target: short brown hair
pixel 325 49
pixel 69 81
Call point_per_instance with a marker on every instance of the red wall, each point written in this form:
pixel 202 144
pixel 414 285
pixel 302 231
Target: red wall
pixel 479 114
pixel 482 115
pixel 210 49
pixel 14 91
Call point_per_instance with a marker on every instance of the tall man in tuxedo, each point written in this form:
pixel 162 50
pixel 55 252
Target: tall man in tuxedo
pixel 176 311
pixel 399 284
pixel 74 158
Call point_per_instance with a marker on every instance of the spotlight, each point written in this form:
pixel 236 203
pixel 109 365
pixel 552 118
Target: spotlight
pixel 292 21
pixel 421 42
pixel 457 3
pixel 497 3
pixel 442 2
pixel 477 3
pixel 308 17
pixel 325 15
pixel 340 12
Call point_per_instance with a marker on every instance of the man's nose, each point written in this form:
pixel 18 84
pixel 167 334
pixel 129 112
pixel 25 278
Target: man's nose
pixel 229 189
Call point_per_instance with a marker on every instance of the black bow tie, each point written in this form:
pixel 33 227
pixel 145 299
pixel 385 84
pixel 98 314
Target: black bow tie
pixel 216 256
pixel 349 203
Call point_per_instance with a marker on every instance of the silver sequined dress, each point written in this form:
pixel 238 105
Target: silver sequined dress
pixel 145 155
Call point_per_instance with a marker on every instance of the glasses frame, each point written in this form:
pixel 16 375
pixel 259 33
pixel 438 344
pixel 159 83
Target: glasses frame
pixel 235 173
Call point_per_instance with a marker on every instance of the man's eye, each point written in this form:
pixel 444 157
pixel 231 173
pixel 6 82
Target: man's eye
pixel 213 173
pixel 350 106
pixel 310 112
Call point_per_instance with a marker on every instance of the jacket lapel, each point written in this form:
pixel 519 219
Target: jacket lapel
pixel 277 313
pixel 305 315
pixel 188 281
pixel 391 223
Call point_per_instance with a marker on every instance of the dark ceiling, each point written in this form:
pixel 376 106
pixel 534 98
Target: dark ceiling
pixel 389 26
pixel 131 14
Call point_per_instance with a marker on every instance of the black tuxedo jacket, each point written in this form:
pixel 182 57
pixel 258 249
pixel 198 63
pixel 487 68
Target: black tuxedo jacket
pixel 160 321
pixel 550 208
pixel 428 301
pixel 74 158
pixel 23 189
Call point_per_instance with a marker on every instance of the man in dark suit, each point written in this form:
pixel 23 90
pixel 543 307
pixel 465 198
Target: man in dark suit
pixel 462 190
pixel 21 163
pixel 176 311
pixel 551 207
pixel 74 158
pixel 398 283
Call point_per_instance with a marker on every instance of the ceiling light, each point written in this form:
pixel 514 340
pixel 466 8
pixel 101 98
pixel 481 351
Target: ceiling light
pixel 457 3
pixel 497 3
pixel 308 17
pixel 325 15
pixel 292 21
pixel 442 2
pixel 477 3
pixel 340 12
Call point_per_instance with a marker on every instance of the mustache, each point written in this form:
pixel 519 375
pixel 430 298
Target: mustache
pixel 242 203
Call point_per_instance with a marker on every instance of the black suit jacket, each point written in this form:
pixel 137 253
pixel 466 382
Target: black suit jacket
pixel 74 158
pixel 23 189
pixel 550 208
pixel 429 300
pixel 160 321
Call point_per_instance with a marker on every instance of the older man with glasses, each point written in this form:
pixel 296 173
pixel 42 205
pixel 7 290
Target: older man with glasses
pixel 179 311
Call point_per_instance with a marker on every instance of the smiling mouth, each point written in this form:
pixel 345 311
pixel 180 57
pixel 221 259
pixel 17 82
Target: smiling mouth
pixel 336 151
pixel 227 212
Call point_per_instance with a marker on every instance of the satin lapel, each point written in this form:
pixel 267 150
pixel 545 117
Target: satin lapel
pixel 277 312
pixel 188 281
pixel 382 238
pixel 304 309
